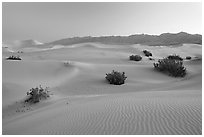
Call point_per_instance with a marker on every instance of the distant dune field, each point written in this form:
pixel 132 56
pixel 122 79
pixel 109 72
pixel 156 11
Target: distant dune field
pixel 83 102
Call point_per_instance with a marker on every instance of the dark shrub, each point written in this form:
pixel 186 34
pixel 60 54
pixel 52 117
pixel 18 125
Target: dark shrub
pixel 135 57
pixel 36 94
pixel 13 58
pixel 188 57
pixel 116 78
pixel 147 53
pixel 172 67
pixel 175 57
pixel 151 59
pixel 67 63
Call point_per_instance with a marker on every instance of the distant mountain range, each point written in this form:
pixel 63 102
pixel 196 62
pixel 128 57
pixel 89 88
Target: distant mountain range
pixel 164 39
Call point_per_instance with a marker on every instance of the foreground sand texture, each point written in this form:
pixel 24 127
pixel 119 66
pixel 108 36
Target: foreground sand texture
pixel 84 103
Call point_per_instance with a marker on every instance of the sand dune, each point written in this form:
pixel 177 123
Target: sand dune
pixel 115 114
pixel 84 103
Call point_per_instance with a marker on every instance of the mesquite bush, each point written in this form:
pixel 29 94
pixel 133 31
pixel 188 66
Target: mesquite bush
pixel 116 78
pixel 147 53
pixel 12 57
pixel 173 67
pixel 135 57
pixel 37 94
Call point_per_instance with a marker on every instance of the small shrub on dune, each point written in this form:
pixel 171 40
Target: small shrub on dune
pixel 188 57
pixel 37 94
pixel 116 78
pixel 135 57
pixel 147 53
pixel 13 58
pixel 175 57
pixel 67 63
pixel 172 67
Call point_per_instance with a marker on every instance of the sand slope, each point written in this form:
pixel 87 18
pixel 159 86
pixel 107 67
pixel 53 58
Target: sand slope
pixel 84 103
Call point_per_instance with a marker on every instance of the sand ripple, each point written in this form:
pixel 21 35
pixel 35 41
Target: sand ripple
pixel 117 114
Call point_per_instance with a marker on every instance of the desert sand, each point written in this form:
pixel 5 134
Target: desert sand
pixel 83 102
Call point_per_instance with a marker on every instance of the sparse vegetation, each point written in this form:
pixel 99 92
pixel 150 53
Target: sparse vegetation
pixel 172 67
pixel 37 94
pixel 116 78
pixel 188 57
pixel 175 57
pixel 12 57
pixel 135 57
pixel 147 53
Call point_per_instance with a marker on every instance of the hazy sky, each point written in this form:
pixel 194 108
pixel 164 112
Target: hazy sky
pixel 47 22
